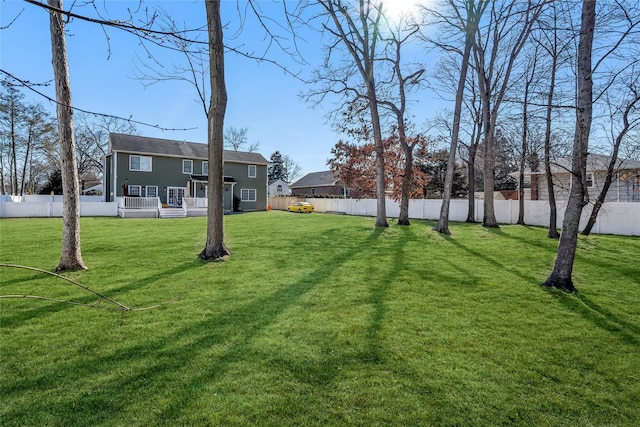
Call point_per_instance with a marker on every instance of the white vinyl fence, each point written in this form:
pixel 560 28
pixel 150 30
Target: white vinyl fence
pixel 614 218
pixel 39 206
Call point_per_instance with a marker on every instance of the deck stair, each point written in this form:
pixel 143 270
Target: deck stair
pixel 173 213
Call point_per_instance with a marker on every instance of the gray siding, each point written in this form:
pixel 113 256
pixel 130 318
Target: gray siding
pixel 621 190
pixel 167 172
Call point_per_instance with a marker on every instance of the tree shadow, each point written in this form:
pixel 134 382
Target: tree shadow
pixel 491 261
pixel 599 316
pixel 144 366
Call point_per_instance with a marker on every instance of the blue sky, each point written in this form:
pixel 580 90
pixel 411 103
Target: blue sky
pixel 261 96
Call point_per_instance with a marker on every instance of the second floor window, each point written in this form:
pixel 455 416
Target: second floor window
pixel 205 168
pixel 187 166
pixel 140 163
pixel 252 171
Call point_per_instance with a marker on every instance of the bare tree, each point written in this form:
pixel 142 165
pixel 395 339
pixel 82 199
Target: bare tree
pixel 400 36
pixel 236 139
pixel 499 41
pixel 356 29
pixel 294 171
pixel 629 122
pixel 70 257
pixel 466 18
pixel 560 277
pixel 215 248
pixel 557 42
pixel 92 139
pixel 530 75
pixel 12 114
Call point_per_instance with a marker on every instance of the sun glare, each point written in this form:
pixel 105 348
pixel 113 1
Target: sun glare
pixel 396 9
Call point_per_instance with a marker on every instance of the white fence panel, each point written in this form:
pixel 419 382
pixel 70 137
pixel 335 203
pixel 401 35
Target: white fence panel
pixel 98 209
pixel 27 210
pixel 48 209
pixel 536 212
pixel 614 218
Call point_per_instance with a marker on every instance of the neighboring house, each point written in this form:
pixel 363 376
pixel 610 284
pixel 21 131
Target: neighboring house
pixel 172 170
pixel 323 183
pixel 625 186
pixel 278 187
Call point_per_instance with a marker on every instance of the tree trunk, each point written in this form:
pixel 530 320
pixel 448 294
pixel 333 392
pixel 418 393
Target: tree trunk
pixel 553 210
pixel 70 257
pixel 381 211
pixel 603 193
pixel 612 165
pixel 523 152
pixel 471 170
pixel 489 217
pixel 471 191
pixel 442 226
pixel 403 217
pixel 563 267
pixel 14 156
pixel 215 248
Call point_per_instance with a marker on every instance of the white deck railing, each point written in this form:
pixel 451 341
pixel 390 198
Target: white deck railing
pixel 195 202
pixel 138 202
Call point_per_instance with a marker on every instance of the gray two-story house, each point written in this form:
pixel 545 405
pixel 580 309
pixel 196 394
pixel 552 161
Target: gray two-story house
pixel 139 166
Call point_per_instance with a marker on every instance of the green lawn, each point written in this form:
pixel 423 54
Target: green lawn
pixel 317 320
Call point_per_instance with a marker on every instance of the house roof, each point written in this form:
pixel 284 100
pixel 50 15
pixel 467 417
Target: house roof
pixel 173 148
pixel 316 179
pixel 595 163
pixel 273 181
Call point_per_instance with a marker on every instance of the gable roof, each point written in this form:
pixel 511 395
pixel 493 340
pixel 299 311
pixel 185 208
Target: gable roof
pixel 173 148
pixel 316 179
pixel 273 181
pixel 595 163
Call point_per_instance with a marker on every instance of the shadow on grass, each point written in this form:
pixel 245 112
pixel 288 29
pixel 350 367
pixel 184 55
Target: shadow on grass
pixel 511 269
pixel 142 369
pixel 52 308
pixel 599 316
pixel 549 248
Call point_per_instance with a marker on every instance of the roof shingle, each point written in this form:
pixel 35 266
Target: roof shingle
pixel 173 148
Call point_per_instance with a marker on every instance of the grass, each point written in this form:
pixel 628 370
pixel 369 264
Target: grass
pixel 318 320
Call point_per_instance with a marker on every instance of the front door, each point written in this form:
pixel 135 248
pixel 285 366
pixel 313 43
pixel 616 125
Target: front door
pixel 175 196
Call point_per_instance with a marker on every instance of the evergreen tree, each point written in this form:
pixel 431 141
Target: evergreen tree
pixel 277 168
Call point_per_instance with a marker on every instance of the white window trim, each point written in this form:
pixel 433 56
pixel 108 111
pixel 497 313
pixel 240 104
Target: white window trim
pixel 131 187
pixel 593 179
pixel 205 164
pixel 249 193
pixel 255 171
pixel 146 190
pixel 131 156
pixel 187 162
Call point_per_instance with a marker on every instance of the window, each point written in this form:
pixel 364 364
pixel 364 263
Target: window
pixel 140 163
pixel 279 189
pixel 187 166
pixel 248 195
pixel 589 180
pixel 151 191
pixel 205 168
pixel 252 171
pixel 134 190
